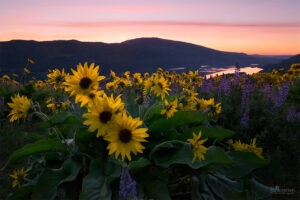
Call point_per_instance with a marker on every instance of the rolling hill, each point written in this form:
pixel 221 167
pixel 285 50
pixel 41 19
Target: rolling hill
pixel 283 64
pixel 142 54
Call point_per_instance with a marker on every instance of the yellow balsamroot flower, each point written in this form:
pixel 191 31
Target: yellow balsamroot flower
pixel 111 86
pixel 200 104
pixel 257 150
pixel 195 78
pixel 84 80
pixel 5 78
pixel 26 70
pixel 57 77
pixel 14 82
pixel 126 75
pixel 186 103
pixel 15 75
pixel 103 113
pixel 239 146
pixel 20 106
pixel 113 75
pixel 39 84
pixel 169 108
pixel 148 83
pixel 125 137
pixel 55 106
pixel 146 75
pixel 190 94
pixel 91 98
pixel 30 61
pixel 160 87
pixel 215 109
pixel 198 148
pixel 137 79
pixel 118 101
pixel 123 83
pixel 18 176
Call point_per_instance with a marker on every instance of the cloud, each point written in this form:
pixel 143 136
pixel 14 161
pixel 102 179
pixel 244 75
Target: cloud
pixel 170 23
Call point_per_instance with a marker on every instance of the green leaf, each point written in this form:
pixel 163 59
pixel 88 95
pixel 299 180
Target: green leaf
pixel 61 118
pixel 82 135
pixel 40 146
pixel 50 179
pixel 225 188
pixel 216 132
pixel 131 105
pixel 243 164
pixel 34 136
pixel 179 118
pixel 156 110
pixel 178 152
pixel 158 190
pixel 21 193
pixel 256 190
pixel 94 185
pixel 141 163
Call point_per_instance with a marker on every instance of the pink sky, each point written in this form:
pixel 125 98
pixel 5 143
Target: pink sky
pixel 250 26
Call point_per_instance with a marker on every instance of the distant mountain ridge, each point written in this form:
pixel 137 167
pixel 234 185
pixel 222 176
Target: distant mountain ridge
pixel 283 64
pixel 142 54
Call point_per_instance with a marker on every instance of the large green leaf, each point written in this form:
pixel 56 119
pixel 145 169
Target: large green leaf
pixel 131 105
pixel 179 118
pixel 243 164
pixel 216 132
pixel 96 184
pixel 224 188
pixel 138 164
pixel 256 190
pixel 21 193
pixel 61 118
pixel 158 190
pixel 50 179
pixel 178 152
pixel 40 146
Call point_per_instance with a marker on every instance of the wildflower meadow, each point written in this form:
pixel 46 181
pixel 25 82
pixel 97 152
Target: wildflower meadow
pixel 82 134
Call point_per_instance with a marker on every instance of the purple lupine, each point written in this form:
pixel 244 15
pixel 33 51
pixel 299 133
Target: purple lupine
pixel 224 86
pixel 206 85
pixel 127 184
pixel 282 94
pixel 174 89
pixel 266 89
pixel 245 102
pixel 117 92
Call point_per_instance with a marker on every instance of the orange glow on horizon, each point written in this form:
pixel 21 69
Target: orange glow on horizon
pixel 250 38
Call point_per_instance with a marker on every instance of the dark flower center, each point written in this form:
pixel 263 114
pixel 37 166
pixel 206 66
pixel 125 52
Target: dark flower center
pixel 125 135
pixel 91 95
pixel 213 109
pixel 122 84
pixel 85 83
pixel 105 116
pixel 160 85
pixel 169 107
pixel 198 106
pixel 59 79
pixel 58 105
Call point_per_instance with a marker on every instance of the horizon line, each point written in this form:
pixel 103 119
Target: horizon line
pixel 78 40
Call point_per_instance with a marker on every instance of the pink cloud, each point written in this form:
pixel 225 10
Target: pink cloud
pixel 295 25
